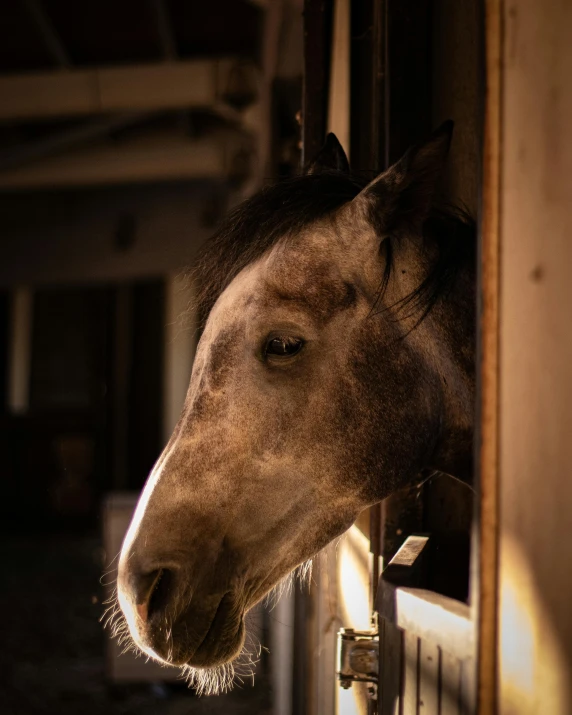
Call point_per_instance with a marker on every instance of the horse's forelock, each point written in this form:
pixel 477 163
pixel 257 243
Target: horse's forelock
pixel 260 222
pixel 289 207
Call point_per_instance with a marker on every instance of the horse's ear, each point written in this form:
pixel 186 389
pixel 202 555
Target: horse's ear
pixel 404 193
pixel 331 157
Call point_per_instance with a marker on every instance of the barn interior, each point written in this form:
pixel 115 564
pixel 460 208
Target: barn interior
pixel 128 130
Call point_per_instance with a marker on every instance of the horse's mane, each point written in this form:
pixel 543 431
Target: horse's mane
pixel 289 206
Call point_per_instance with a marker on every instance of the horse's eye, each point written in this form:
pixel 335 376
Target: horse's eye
pixel 284 346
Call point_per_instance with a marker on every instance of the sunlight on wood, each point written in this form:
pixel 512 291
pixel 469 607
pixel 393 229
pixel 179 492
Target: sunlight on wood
pixel 354 578
pixel 354 612
pixel 180 343
pixel 339 99
pixel 532 666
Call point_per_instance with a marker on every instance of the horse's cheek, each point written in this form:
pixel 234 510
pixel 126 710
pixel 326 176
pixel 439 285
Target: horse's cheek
pixel 381 420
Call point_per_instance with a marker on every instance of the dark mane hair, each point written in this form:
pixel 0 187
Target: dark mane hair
pixel 291 205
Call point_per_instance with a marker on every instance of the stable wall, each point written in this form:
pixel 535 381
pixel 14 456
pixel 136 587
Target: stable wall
pixel 535 371
pixel 109 234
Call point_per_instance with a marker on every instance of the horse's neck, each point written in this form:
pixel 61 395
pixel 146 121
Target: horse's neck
pixel 452 325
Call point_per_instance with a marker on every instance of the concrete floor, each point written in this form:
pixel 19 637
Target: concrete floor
pixel 52 644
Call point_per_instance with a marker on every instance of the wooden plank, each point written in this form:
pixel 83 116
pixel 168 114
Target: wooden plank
pixel 468 673
pixel 168 85
pixel 429 615
pixel 450 684
pixel 410 685
pixel 485 553
pixel 429 678
pixel 535 361
pixel 154 159
pixel 339 91
pixel 391 639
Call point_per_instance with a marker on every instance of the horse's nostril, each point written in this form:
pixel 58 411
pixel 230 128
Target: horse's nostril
pixel 151 593
pixel 159 594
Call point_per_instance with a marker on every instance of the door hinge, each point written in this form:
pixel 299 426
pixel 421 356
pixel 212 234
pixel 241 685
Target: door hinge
pixel 358 659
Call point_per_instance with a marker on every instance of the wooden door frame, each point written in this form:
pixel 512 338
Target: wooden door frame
pixel 485 547
pixel 318 22
pixel 374 128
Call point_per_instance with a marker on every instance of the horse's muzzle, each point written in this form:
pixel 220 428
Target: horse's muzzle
pixel 178 621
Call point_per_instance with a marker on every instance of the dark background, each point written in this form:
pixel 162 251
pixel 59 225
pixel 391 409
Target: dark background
pixel 95 261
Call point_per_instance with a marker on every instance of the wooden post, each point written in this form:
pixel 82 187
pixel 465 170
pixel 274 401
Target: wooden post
pixel 21 315
pixel 317 49
pixel 317 52
pixel 535 359
pixel 180 341
pixel 485 553
pixel 121 370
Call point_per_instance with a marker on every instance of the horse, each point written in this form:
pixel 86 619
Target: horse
pixel 336 362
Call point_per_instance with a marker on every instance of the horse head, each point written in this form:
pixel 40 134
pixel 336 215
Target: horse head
pixel 335 363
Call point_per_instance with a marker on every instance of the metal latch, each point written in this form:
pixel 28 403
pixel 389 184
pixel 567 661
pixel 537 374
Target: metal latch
pixel 358 658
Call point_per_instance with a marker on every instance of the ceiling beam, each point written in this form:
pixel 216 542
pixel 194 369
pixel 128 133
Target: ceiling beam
pixel 159 158
pixel 149 87
pixel 89 130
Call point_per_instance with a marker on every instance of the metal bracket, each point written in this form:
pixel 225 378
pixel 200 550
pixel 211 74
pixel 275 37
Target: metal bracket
pixel 358 659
